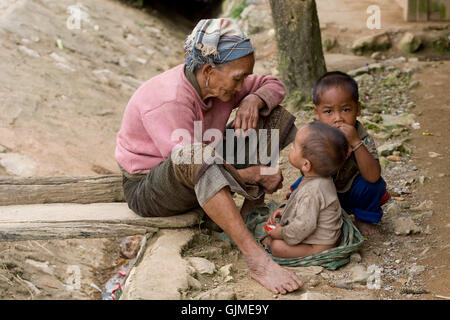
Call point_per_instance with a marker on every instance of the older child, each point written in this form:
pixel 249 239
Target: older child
pixel 360 187
pixel 311 221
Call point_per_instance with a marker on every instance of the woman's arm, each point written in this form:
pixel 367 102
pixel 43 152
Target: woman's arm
pixel 259 95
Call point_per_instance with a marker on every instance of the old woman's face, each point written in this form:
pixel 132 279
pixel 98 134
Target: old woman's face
pixel 227 79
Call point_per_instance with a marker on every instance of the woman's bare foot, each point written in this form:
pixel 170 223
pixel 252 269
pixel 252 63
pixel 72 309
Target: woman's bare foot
pixel 271 275
pixel 366 228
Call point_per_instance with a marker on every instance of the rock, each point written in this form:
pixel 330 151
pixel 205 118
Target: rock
pixel 359 274
pixel 389 147
pixel 376 55
pixel 426 214
pixel 415 270
pixel 409 43
pixel 29 52
pixel 201 265
pixel 413 291
pixel 225 271
pixel 377 42
pixel 194 283
pixel 17 164
pixel 343 284
pixel 404 119
pixel 405 226
pixel 393 208
pixel 362 70
pixel 329 43
pixel 414 84
pixel 162 272
pixel 306 271
pixel 314 282
pixel 355 257
pixel 209 252
pixel 432 154
pixel 425 205
pixel 130 246
pixel 394 158
pixel 217 294
pixel 314 296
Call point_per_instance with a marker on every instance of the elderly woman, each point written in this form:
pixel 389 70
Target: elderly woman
pixel 216 78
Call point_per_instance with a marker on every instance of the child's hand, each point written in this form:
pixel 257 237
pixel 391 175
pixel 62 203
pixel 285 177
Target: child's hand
pixel 276 232
pixel 274 215
pixel 350 133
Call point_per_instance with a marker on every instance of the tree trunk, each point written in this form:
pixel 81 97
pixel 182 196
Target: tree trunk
pixel 33 190
pixel 300 56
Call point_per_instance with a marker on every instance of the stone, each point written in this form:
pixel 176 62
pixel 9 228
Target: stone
pixel 306 271
pixel 405 226
pixel 393 208
pixel 388 148
pixel 343 284
pixel 225 271
pixel 415 270
pixel 425 205
pixel 394 158
pixel 194 283
pixel 355 257
pixel 162 273
pixel 409 43
pixel 314 296
pixel 29 52
pixel 201 265
pixel 130 246
pixel 219 293
pixel 18 164
pixel 432 154
pixel 414 84
pixel 376 55
pixel 209 252
pixel 377 42
pixel 404 119
pixel 329 43
pixel 359 274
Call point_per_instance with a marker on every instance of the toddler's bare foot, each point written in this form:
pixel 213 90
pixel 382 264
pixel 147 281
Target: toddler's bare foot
pixel 366 228
pixel 267 240
pixel 271 275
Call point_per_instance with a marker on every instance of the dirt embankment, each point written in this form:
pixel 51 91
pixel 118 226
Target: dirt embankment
pixel 63 92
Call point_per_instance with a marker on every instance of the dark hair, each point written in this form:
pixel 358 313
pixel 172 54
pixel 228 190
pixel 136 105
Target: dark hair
pixel 335 79
pixel 325 147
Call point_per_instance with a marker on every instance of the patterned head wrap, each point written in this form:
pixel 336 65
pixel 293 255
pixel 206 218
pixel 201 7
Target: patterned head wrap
pixel 216 41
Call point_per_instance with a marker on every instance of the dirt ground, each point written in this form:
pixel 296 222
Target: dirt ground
pixel 61 109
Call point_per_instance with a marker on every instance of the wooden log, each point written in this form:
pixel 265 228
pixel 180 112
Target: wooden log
pixel 93 213
pixel 69 230
pixel 38 190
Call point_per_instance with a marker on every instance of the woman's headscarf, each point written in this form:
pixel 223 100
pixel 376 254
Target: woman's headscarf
pixel 216 41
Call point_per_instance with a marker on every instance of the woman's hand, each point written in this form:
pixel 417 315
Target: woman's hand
pixel 271 182
pixel 247 115
pixel 274 215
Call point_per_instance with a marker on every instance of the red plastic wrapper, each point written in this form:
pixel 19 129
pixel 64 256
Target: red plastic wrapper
pixel 269 227
pixel 117 292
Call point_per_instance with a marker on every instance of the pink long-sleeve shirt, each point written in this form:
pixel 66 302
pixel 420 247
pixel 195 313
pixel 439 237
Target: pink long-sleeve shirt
pixel 168 102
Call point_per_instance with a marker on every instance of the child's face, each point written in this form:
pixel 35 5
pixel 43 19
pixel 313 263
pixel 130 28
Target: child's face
pixel 337 106
pixel 295 154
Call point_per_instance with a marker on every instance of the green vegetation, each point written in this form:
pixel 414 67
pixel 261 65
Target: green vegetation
pixel 236 12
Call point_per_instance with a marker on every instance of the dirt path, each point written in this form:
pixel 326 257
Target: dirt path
pixel 433 108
